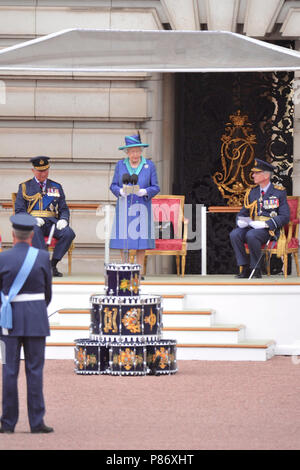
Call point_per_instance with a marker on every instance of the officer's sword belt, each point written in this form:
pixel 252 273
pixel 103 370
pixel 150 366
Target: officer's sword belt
pixel 261 217
pixel 43 213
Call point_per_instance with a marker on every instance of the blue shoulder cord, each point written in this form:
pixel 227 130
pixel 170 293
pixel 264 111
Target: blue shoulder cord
pixel 6 310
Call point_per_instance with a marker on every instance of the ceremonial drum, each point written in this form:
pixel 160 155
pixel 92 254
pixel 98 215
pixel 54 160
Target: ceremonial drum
pixel 128 318
pixel 122 279
pixel 125 329
pixel 161 357
pixel 127 358
pixel 91 357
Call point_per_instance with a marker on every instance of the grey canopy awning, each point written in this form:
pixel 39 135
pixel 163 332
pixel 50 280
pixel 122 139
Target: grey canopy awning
pixel 85 50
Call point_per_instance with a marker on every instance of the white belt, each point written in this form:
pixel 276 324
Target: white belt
pixel 28 297
pixel 24 298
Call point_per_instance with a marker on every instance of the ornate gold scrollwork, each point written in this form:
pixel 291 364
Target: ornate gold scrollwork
pixel 110 320
pixel 237 155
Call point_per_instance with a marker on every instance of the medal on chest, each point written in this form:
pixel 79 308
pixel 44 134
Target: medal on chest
pixel 53 192
pixel 271 203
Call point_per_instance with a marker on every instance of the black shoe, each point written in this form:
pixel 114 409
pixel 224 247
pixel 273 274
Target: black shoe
pixel 6 431
pixel 257 273
pixel 244 274
pixel 42 430
pixel 55 272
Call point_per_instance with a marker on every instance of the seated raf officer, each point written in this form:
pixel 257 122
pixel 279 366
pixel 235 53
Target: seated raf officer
pixel 45 200
pixel 264 213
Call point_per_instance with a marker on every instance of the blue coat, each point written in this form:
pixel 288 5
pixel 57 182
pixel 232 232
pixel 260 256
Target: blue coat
pixel 30 317
pixel 133 224
pixel 274 205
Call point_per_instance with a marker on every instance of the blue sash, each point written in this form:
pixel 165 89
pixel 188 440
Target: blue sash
pixel 6 310
pixel 47 199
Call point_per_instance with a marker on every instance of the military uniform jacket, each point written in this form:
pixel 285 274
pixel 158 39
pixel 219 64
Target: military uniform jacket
pixel 30 317
pixel 273 206
pixel 51 205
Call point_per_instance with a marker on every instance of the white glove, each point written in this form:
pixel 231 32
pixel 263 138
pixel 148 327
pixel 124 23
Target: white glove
pixel 122 192
pixel 62 223
pixel 242 223
pixel 39 221
pixel 141 192
pixel 258 224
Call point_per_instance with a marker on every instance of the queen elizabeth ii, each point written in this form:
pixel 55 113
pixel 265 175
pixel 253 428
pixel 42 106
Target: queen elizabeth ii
pixel 133 227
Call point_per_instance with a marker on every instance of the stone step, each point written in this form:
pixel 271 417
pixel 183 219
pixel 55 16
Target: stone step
pixel 254 350
pixel 227 334
pixel 171 318
pixel 72 296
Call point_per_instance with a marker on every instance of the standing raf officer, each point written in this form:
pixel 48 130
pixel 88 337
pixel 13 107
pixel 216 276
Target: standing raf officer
pixel 45 200
pixel 25 284
pixel 264 213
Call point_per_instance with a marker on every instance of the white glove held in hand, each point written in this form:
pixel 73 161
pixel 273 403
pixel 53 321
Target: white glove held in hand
pixel 61 224
pixel 242 223
pixel 141 192
pixel 39 221
pixel 122 192
pixel 258 224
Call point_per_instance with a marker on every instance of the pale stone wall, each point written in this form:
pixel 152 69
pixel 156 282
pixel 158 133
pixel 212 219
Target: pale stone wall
pixel 79 123
pixel 79 120
pixel 38 20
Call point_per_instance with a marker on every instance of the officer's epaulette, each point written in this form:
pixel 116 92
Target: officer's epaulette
pixel 279 186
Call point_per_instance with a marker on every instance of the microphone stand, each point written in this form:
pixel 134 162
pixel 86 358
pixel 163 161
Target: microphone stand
pixel 125 181
pixel 133 180
pixel 129 187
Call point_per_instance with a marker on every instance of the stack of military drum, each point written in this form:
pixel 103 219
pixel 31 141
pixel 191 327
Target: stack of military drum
pixel 125 330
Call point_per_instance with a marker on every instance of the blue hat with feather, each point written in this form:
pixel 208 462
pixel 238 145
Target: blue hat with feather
pixel 133 141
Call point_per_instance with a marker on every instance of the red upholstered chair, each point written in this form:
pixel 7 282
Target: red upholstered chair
pixel 292 238
pixel 53 241
pixel 70 251
pixel 170 208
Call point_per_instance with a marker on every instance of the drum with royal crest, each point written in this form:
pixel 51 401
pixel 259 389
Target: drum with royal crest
pixel 91 357
pixel 127 358
pixel 161 357
pixel 122 279
pixel 136 318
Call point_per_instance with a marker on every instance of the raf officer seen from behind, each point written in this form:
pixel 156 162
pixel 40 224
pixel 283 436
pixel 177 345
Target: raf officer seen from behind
pixel 25 284
pixel 264 213
pixel 45 200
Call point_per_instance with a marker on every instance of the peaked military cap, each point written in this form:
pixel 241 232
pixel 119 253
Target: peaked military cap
pixel 261 165
pixel 23 221
pixel 40 163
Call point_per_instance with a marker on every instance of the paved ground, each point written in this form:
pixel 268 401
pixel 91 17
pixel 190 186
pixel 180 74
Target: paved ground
pixel 206 405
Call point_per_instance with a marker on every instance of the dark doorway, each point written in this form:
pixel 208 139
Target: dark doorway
pixel 205 103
